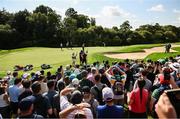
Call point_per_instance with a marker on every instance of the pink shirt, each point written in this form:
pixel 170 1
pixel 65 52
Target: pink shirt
pixel 138 106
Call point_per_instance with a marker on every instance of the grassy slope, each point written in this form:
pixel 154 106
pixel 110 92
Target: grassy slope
pixel 56 57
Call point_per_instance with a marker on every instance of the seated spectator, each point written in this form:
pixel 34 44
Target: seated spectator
pixel 26 109
pixel 87 97
pixel 109 110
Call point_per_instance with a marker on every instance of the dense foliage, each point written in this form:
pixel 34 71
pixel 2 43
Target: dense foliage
pixel 44 27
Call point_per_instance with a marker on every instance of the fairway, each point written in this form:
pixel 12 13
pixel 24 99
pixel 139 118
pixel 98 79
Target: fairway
pixel 55 57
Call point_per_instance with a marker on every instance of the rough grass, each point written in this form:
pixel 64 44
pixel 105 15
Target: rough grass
pixel 55 57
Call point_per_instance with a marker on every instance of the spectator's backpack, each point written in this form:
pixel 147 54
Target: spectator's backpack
pixel 118 88
pixel 99 95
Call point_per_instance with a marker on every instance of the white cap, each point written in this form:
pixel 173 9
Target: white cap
pixel 75 81
pixel 107 94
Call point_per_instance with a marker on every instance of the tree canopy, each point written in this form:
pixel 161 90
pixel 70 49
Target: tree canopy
pixel 44 27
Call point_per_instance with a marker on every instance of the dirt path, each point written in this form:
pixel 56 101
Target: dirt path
pixel 139 55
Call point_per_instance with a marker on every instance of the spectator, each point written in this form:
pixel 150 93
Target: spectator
pixel 56 98
pixel 50 94
pixel 44 87
pixel 69 110
pixel 109 110
pixel 26 109
pixel 42 104
pixel 104 79
pixel 14 92
pixel 4 103
pixel 96 90
pixel 27 92
pixel 87 97
pixel 138 100
pixel 148 83
pixel 85 81
pixel 130 79
pixel 11 81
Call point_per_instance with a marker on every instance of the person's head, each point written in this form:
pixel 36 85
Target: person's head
pixel 107 94
pixel 127 67
pixel 48 74
pixel 94 71
pixel 15 74
pixel 141 83
pixel 26 84
pixel 97 78
pixel 76 97
pixel 26 106
pixel 75 83
pixel 115 71
pixel 17 81
pixel 41 78
pixel 50 84
pixel 86 92
pixel 36 87
pixel 66 80
pixel 60 85
pixel 144 72
pixel 150 68
pixel 84 74
pixel 101 71
pixel 42 72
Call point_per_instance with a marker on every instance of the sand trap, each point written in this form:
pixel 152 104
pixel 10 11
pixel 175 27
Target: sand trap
pixel 139 55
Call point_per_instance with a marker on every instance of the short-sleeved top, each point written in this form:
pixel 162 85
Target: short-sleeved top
pixel 105 111
pixel 50 95
pixel 24 94
pixel 138 105
pixel 41 105
pixel 14 92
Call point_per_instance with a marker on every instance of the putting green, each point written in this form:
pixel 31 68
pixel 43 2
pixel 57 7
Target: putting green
pixel 55 57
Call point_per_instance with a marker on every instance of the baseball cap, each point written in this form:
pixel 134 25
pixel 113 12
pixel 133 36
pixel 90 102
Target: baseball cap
pixel 72 76
pixel 107 94
pixel 75 81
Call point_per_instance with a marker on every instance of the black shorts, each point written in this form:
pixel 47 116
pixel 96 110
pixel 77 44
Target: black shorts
pixel 137 115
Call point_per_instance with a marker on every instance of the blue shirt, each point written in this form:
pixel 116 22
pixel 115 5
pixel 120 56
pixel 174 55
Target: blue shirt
pixel 105 111
pixel 14 92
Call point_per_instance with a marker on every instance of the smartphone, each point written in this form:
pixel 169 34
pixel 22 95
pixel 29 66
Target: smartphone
pixel 174 97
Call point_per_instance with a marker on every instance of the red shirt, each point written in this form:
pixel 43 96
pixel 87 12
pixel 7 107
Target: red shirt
pixel 138 106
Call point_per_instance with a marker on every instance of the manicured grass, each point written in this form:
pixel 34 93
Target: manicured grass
pixel 55 57
pixel 156 56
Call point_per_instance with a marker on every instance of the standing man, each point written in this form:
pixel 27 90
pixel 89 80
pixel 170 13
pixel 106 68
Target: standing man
pixel 83 45
pixel 166 48
pixel 61 46
pixel 74 57
pixel 169 47
pixel 67 45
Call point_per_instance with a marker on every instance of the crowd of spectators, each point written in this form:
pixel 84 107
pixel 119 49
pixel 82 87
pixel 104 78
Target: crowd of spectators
pixel 129 89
